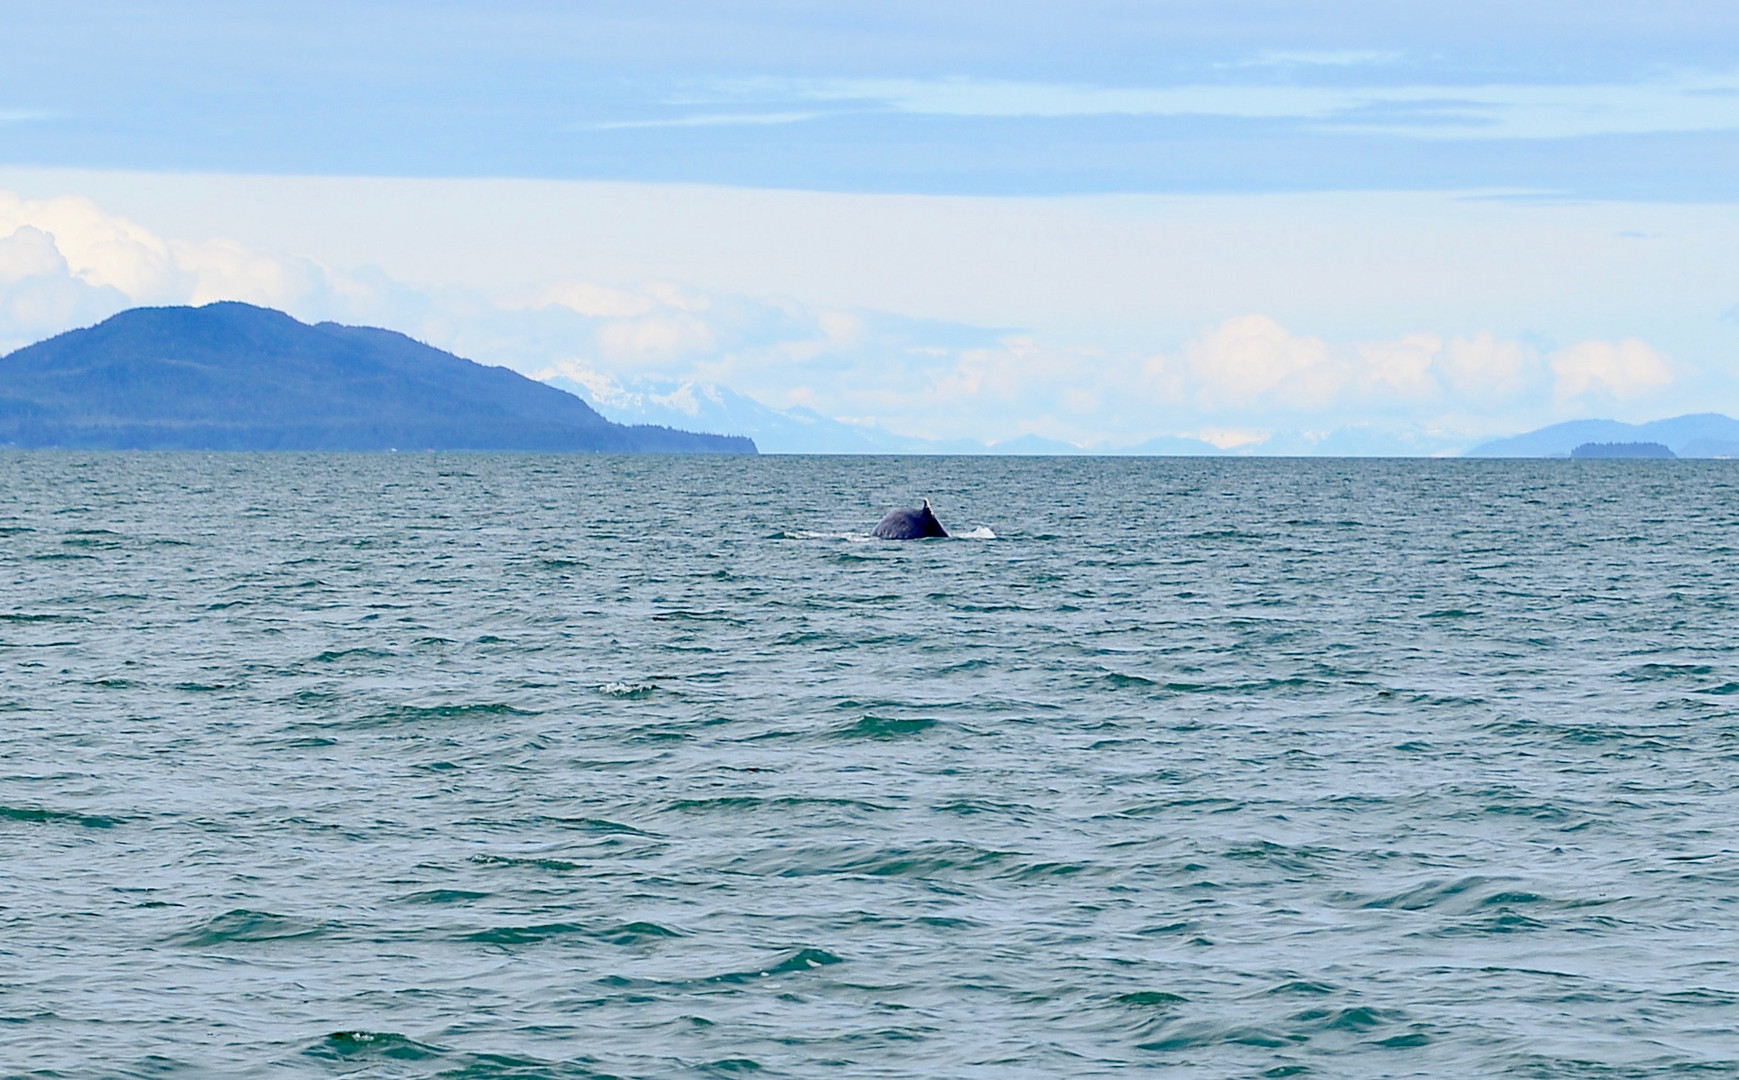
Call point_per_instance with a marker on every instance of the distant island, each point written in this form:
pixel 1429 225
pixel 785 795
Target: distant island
pixel 1697 435
pixel 232 376
pixel 1622 450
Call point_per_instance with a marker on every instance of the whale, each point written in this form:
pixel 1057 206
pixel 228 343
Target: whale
pixel 920 524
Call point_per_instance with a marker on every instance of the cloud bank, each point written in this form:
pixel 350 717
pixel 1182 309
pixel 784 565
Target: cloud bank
pixel 1236 382
pixel 65 262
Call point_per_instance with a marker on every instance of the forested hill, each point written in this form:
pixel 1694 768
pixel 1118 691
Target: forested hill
pixel 231 376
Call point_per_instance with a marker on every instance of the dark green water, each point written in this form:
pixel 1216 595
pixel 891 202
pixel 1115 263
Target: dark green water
pixel 518 766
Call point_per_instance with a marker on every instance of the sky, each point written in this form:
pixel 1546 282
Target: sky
pixel 1397 226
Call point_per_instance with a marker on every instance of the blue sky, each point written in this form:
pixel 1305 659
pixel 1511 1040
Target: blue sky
pixel 1087 221
pixel 1600 99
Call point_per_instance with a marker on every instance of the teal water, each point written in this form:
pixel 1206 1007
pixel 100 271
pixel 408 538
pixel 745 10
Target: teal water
pixel 518 766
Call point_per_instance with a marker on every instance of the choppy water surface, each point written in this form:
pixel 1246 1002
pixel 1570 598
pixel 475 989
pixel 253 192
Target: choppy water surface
pixel 520 766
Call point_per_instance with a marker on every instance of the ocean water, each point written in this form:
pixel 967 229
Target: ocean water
pixel 393 766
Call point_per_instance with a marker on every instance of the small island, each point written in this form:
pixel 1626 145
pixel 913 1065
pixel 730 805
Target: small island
pixel 1623 450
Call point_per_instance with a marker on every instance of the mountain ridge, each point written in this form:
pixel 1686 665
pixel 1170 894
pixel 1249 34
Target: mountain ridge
pixel 234 376
pixel 1704 435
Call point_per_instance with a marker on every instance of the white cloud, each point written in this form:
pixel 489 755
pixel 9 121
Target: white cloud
pixel 1237 383
pixel 1486 368
pixel 1682 101
pixel 66 262
pixel 1401 368
pixel 100 249
pixel 593 300
pixel 1252 362
pixel 1253 366
pixel 225 270
pixel 1247 369
pixel 1614 370
pixel 29 252
pixel 39 294
pixel 840 327
pixel 654 342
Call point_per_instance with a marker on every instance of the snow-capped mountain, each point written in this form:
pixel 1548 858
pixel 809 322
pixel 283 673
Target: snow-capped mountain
pixel 707 407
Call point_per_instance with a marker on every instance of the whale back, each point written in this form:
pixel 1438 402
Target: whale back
pixel 919 524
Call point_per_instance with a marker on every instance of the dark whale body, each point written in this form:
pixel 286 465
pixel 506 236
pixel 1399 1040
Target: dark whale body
pixel 910 524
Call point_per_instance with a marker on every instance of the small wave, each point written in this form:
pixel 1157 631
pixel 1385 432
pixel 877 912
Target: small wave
pixel 1462 894
pixel 487 1066
pixel 1654 672
pixel 443 896
pixel 1301 986
pixel 430 713
pixel 732 1066
pixel 689 615
pixel 1038 871
pixel 884 727
pixel 1703 997
pixel 803 960
pixel 533 862
pixel 308 742
pixel 638 933
pixel 627 935
pixel 525 935
pixel 630 690
pixel 964 665
pixel 756 802
pixel 809 638
pixel 1151 999
pixel 39 815
pixel 597 825
pixel 806 534
pixel 1352 1018
pixel 244 926
pixel 332 655
pixel 980 806
pixel 352 1045
pixel 849 558
pixel 1198 1034
pixel 923 861
pixel 1472 895
pixel 982 532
